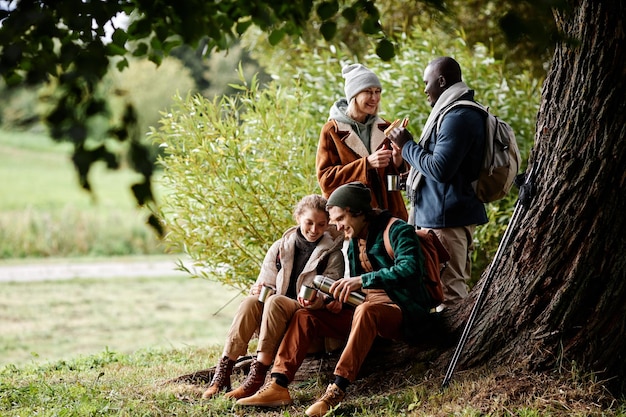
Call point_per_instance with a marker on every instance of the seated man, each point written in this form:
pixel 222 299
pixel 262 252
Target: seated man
pixel 395 306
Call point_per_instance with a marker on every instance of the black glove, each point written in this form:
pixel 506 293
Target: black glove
pixel 399 136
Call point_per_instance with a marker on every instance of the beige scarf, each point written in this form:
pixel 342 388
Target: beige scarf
pixel 453 93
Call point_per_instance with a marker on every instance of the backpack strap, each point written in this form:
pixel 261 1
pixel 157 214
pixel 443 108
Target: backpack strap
pixel 464 103
pixel 386 240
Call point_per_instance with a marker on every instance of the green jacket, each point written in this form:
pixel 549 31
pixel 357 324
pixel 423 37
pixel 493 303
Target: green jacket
pixel 402 278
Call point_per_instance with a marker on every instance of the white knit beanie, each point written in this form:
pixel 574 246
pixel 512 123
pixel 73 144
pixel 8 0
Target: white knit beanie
pixel 358 78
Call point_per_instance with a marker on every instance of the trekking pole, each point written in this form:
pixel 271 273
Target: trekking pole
pixel 476 308
pixel 228 302
pixel 525 195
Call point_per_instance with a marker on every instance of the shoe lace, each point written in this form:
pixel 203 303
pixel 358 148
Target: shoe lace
pixel 265 387
pixel 332 396
pixel 221 373
pixel 251 379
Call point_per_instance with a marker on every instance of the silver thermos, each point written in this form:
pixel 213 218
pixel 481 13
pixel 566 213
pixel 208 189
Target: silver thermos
pixel 323 284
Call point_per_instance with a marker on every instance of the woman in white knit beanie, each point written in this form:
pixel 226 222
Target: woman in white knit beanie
pixel 353 146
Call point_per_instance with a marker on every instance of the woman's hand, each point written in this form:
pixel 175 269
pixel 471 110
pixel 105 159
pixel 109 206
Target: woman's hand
pixel 381 158
pixel 256 288
pixel 315 303
pixel 334 306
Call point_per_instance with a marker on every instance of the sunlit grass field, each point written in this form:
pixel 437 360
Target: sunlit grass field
pixel 44 212
pixel 61 320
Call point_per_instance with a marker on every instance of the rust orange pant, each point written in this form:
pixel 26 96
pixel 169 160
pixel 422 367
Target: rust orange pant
pixel 359 326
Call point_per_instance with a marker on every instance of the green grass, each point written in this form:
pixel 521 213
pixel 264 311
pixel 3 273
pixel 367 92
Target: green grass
pixel 44 212
pixel 114 384
pixel 108 347
pixel 54 320
pixel 38 172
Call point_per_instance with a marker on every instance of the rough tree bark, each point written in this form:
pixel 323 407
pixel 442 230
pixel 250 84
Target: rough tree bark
pixel 559 291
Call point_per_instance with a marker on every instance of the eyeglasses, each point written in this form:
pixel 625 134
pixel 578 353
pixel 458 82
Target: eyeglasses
pixel 372 91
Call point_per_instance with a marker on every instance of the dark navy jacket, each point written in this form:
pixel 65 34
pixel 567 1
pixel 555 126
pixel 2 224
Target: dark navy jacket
pixel 450 161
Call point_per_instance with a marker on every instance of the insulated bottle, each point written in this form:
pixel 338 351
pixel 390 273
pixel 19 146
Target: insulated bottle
pixel 323 284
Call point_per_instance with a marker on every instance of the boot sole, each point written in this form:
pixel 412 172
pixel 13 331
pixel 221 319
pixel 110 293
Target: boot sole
pixel 268 404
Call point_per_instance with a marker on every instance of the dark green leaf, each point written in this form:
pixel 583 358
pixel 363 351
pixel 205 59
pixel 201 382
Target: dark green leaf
pixel 349 13
pixel 242 26
pixel 385 50
pixel 155 43
pixel 142 192
pixel 327 9
pixel 140 159
pixel 156 224
pixel 83 160
pixel 139 29
pixel 328 30
pixel 276 36
pixel 141 49
pixel 13 79
pixel 119 37
pixel 156 57
pixel 113 49
pixel 123 63
pixel 170 44
pixel 370 26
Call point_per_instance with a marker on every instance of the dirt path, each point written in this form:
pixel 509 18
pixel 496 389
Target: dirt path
pixel 60 269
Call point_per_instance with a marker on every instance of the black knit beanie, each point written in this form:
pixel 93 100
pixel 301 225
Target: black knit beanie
pixel 354 195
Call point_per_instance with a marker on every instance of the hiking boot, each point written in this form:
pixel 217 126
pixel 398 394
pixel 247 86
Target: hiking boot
pixel 270 395
pixel 252 383
pixel 331 398
pixel 221 378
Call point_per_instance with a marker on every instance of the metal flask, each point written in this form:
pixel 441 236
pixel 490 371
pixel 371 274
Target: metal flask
pixel 323 284
pixel 266 291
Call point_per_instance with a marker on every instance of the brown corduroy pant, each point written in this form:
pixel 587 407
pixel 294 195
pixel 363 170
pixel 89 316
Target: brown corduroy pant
pixel 270 319
pixel 359 326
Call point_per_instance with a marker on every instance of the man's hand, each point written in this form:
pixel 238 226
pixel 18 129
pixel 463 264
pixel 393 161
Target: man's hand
pixel 342 288
pixel 396 155
pixel 399 136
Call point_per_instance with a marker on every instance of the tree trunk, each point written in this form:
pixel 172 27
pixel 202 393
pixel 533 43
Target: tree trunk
pixel 559 290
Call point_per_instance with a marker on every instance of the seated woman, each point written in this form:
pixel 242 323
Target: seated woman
pixel 313 247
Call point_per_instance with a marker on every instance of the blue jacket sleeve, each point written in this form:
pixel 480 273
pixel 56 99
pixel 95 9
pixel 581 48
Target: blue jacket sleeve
pixel 446 149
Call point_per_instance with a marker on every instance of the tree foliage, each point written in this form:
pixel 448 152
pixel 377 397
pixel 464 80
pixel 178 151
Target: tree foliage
pixel 236 165
pixel 73 43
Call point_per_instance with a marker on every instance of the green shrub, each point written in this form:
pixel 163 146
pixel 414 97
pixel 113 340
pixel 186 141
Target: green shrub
pixel 237 165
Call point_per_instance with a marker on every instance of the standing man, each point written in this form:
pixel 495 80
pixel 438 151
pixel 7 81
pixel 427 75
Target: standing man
pixel 395 307
pixel 444 163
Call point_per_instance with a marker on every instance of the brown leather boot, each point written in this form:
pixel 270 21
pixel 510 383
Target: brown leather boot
pixel 221 378
pixel 270 395
pixel 331 398
pixel 252 383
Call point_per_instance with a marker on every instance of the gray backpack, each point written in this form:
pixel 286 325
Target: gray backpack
pixel 501 160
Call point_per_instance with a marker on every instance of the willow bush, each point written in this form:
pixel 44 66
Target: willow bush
pixel 237 165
